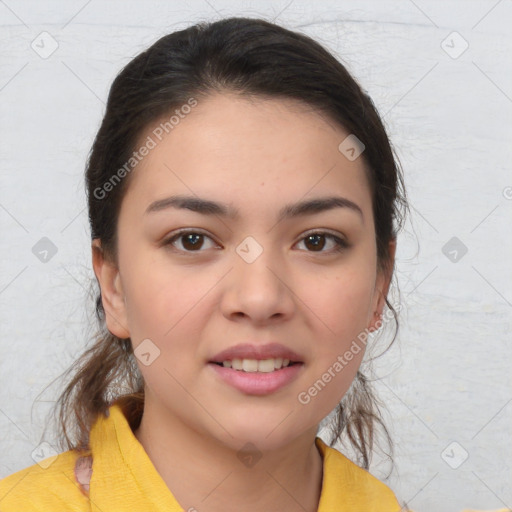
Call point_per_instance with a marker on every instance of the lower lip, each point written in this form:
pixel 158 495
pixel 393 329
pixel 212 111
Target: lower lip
pixel 257 383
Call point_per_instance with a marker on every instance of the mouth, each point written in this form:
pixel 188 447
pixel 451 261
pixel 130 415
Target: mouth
pixel 256 369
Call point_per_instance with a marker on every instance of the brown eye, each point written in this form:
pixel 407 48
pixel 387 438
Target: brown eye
pixel 191 241
pixel 317 242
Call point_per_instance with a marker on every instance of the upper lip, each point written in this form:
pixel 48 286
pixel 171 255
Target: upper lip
pixel 259 352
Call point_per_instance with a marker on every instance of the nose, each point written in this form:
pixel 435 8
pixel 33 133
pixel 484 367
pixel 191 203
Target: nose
pixel 258 288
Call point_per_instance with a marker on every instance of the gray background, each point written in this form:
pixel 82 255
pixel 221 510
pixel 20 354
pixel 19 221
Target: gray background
pixel 447 381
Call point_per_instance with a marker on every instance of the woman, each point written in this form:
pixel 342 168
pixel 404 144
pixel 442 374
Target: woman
pixel 244 201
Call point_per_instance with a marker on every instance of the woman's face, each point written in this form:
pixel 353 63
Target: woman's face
pixel 302 279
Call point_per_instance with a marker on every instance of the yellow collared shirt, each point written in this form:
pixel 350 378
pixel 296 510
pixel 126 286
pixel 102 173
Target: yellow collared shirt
pixel 124 479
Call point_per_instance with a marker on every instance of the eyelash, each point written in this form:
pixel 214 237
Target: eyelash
pixel 341 244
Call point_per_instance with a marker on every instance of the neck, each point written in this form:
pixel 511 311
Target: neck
pixel 205 475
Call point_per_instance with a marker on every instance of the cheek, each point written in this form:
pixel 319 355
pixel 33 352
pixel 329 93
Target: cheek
pixel 342 303
pixel 163 307
pixel 343 308
pixel 165 304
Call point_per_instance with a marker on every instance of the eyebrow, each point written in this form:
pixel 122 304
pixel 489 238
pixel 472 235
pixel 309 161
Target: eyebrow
pixel 208 207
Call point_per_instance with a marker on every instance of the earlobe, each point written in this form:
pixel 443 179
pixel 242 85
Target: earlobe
pixel 112 294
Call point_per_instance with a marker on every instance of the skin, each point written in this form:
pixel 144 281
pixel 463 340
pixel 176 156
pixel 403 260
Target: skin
pixel 255 155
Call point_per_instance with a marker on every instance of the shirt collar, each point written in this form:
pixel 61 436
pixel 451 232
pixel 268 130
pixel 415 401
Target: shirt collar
pixel 123 475
pixel 121 464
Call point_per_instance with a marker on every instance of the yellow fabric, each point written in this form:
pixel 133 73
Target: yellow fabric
pixel 124 479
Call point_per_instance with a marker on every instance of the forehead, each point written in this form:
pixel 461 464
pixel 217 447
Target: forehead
pixel 247 149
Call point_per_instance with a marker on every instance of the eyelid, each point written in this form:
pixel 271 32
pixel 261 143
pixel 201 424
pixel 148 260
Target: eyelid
pixel 323 231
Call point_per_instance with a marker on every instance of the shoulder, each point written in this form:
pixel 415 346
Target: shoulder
pixel 345 481
pixel 45 486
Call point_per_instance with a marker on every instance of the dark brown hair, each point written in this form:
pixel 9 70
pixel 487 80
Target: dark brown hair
pixel 250 57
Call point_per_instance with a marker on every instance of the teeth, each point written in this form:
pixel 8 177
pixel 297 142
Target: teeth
pixel 250 365
pixel 237 364
pixel 266 366
pixel 253 365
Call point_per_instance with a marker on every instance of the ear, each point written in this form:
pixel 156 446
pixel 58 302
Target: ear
pixel 112 294
pixel 382 284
